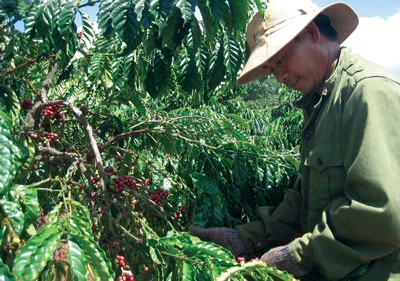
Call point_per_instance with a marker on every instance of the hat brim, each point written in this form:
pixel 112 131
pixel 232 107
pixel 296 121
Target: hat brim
pixel 343 20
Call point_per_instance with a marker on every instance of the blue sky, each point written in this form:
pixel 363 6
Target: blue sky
pixel 368 8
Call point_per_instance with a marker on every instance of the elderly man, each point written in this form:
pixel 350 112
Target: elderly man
pixel 344 218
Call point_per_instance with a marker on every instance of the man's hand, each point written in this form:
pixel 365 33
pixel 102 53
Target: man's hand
pixel 228 238
pixel 280 258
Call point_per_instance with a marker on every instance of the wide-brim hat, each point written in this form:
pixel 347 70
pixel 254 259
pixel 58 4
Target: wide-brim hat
pixel 283 20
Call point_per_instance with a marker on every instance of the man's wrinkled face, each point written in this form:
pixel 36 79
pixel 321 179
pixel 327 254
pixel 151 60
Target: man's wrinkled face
pixel 297 65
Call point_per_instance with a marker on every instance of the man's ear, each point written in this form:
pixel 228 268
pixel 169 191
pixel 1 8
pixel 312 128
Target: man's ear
pixel 312 31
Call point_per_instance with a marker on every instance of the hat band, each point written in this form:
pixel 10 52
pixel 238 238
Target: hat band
pixel 268 30
pixel 279 26
pixel 270 23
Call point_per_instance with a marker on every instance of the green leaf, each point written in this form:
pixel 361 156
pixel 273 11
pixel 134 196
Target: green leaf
pixel 9 153
pixel 42 18
pixel 261 6
pixel 104 17
pixel 13 211
pixel 238 119
pixel 217 67
pixel 28 199
pixel 156 81
pixel 229 128
pixel 206 184
pixel 217 8
pixel 80 222
pixel 95 257
pixel 140 8
pixel 195 35
pixel 119 16
pixel 66 19
pixel 155 253
pixel 80 225
pixel 34 255
pixel 96 66
pixel 174 239
pixel 11 102
pixel 208 19
pixel 5 274
pixel 77 261
pixel 257 269
pixel 29 150
pixel 88 32
pixel 213 267
pixel 29 22
pixel 120 66
pixel 187 271
pixel 186 9
pixel 161 10
pixel 169 31
pixel 125 23
pixel 239 10
pixel 202 60
pixel 190 78
pixel 233 56
pixel 211 250
pixel 138 102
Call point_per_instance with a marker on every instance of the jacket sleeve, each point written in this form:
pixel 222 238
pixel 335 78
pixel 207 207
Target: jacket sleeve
pixel 276 226
pixel 365 224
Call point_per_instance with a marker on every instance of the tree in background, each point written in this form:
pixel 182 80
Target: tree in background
pixel 117 138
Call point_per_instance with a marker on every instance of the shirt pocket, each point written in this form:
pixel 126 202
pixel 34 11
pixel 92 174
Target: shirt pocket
pixel 326 178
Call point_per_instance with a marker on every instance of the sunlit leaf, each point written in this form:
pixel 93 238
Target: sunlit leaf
pixel 34 255
pixel 94 256
pixel 76 259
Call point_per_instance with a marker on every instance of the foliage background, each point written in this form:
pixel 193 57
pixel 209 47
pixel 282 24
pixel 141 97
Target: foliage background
pixel 116 139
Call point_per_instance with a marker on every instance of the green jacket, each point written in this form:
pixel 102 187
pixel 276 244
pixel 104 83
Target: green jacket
pixel 346 212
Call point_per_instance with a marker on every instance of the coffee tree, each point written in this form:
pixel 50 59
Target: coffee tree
pixel 118 135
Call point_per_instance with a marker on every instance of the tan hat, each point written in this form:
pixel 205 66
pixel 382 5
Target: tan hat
pixel 283 21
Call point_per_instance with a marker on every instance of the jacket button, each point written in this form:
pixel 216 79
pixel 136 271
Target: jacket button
pixel 307 135
pixel 319 161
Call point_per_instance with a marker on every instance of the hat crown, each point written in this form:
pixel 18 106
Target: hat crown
pixel 279 11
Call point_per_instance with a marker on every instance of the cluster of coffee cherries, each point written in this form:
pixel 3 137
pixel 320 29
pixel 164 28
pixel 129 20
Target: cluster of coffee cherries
pixel 53 111
pixel 180 213
pixel 51 137
pixel 125 181
pixel 158 195
pixel 120 260
pixel 126 276
pixel 243 259
pixel 26 104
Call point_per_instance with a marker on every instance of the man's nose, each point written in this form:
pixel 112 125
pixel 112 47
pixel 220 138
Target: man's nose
pixel 281 75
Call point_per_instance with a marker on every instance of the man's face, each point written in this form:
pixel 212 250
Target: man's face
pixel 298 66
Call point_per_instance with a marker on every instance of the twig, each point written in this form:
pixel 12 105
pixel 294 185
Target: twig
pixel 130 234
pixel 33 115
pixel 54 153
pixel 39 183
pixel 93 143
pixel 26 64
pixel 96 152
